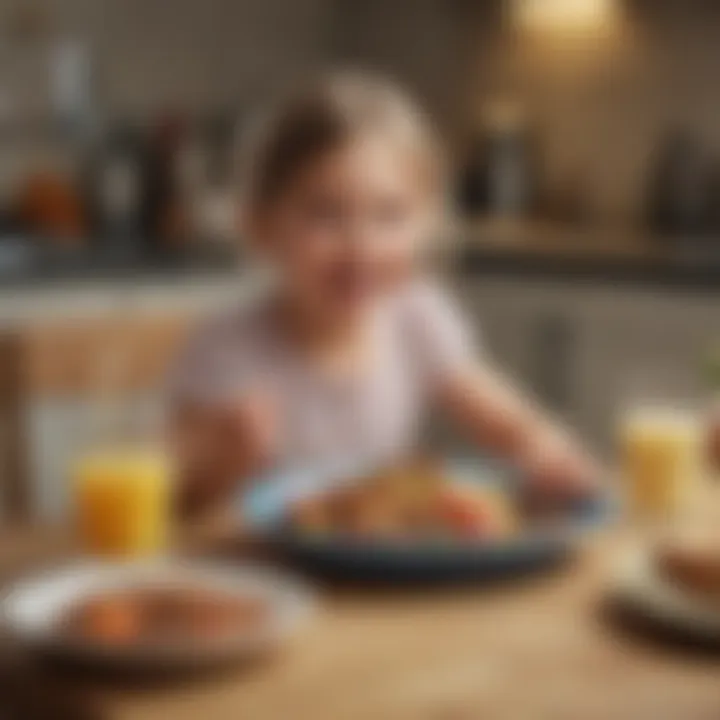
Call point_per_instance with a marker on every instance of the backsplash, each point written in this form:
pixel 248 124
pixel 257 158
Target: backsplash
pixel 601 101
pixel 603 104
pixel 149 56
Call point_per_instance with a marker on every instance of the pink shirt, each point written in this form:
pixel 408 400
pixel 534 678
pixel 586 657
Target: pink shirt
pixel 417 339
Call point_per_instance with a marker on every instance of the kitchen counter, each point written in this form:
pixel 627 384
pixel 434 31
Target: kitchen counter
pixel 92 296
pixel 569 253
pixel 504 249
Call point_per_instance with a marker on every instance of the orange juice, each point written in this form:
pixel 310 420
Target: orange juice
pixel 123 501
pixel 662 461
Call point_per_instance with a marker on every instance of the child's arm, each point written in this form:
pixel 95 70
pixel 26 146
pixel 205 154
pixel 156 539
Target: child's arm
pixel 220 425
pixel 499 418
pixel 483 403
pixel 217 447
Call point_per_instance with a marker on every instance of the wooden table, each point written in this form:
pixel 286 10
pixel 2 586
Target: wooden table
pixel 533 650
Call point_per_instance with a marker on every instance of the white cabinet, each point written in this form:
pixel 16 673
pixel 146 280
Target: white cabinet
pixel 534 334
pixel 644 347
pixel 58 398
pixel 586 350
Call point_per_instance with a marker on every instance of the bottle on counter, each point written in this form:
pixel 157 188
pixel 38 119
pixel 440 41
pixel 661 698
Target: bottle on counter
pixel 191 180
pixel 46 216
pixel 114 188
pixel 499 177
pixel 679 205
pixel 166 216
pixel 48 203
pixel 17 252
pixel 214 197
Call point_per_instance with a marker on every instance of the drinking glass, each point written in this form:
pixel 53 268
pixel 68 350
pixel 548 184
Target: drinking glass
pixel 122 475
pixel 123 500
pixel 662 453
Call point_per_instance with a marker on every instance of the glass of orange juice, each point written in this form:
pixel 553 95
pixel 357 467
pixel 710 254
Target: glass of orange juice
pixel 123 500
pixel 662 453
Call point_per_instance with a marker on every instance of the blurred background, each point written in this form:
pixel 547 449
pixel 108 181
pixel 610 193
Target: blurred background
pixel 584 139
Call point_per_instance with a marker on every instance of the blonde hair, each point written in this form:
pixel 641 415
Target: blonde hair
pixel 323 117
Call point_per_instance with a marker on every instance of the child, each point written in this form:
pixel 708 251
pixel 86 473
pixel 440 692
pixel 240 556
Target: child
pixel 353 343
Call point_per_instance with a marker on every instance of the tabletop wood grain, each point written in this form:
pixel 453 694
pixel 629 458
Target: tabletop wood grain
pixel 535 649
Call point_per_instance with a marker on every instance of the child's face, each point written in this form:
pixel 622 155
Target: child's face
pixel 349 227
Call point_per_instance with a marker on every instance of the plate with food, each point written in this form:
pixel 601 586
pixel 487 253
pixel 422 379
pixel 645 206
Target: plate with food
pixel 165 614
pixel 674 583
pixel 422 520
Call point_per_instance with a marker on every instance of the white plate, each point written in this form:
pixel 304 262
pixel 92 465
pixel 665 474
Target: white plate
pixel 639 585
pixel 31 611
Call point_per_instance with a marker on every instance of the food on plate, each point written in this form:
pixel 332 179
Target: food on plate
pixel 164 614
pixel 477 511
pixel 112 620
pixel 692 564
pixel 413 500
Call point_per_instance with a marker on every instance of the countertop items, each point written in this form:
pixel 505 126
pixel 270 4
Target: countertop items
pixel 682 189
pixel 503 247
pixel 583 253
pixel 499 178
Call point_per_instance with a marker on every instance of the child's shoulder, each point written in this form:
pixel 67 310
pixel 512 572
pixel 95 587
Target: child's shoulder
pixel 224 348
pixel 426 299
pixel 434 326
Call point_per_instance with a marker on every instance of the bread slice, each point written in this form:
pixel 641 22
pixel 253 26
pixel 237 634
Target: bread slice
pixel 692 563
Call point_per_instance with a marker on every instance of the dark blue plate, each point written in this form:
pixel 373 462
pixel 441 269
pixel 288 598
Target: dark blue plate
pixel 265 510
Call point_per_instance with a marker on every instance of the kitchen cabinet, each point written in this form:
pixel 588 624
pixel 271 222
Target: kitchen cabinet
pixel 65 350
pixel 587 350
pixel 61 382
pixel 532 334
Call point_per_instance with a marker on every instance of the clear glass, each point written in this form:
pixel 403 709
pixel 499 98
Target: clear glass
pixel 662 448
pixel 662 459
pixel 122 480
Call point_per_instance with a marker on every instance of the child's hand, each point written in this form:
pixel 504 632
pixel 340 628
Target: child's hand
pixel 557 466
pixel 248 431
pixel 219 447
